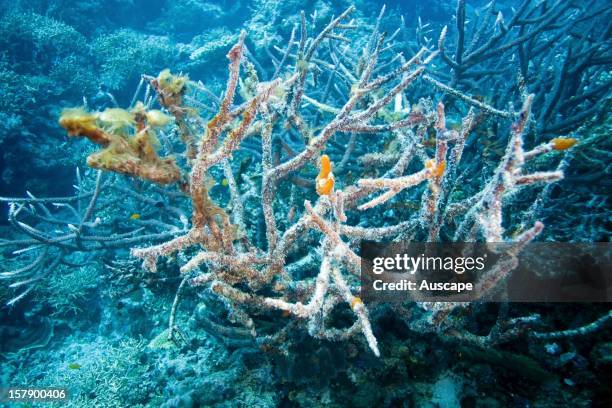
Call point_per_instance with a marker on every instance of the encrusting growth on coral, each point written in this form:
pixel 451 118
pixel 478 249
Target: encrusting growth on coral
pixel 325 179
pixel 436 170
pixel 563 143
pixel 170 90
pixel 128 141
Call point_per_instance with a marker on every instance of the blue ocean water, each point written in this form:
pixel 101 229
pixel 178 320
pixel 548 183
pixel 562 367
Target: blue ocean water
pixel 185 184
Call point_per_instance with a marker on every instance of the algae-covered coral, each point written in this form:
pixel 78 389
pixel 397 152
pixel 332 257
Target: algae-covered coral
pixel 133 154
pixel 209 255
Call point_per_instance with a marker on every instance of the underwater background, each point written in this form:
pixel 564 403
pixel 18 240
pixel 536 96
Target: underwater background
pixel 94 302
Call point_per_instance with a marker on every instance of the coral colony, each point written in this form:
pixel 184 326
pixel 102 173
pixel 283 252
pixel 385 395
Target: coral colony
pixel 281 243
pixel 253 279
pixel 231 261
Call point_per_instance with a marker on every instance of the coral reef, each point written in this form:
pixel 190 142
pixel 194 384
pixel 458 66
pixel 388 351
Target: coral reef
pixel 124 55
pixel 220 221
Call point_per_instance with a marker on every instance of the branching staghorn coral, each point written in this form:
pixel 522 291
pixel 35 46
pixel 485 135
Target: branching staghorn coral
pixel 230 265
pixel 297 120
pixel 69 231
pixel 534 37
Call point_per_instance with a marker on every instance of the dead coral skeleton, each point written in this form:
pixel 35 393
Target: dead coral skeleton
pixel 230 263
pixel 253 278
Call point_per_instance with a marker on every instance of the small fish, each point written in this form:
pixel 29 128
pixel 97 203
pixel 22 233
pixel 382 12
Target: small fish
pixel 224 182
pixel 135 216
pixel 74 366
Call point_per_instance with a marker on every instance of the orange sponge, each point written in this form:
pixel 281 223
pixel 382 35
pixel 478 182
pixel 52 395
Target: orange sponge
pixel 563 143
pixel 436 170
pixel 325 179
